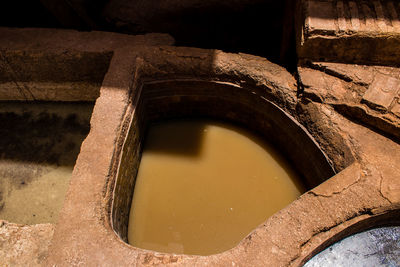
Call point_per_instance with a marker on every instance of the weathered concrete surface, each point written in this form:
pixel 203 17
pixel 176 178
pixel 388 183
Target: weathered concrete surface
pixel 60 65
pixel 364 32
pixel 369 94
pixel 364 193
pixel 24 245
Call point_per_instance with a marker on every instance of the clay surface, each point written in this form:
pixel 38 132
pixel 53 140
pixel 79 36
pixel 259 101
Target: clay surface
pixel 24 245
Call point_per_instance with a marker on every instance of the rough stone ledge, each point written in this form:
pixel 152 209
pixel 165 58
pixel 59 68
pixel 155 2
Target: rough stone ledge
pixel 368 94
pixel 37 39
pixel 84 235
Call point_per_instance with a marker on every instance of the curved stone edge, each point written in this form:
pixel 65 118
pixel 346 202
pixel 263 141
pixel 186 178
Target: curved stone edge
pixel 376 188
pixel 84 235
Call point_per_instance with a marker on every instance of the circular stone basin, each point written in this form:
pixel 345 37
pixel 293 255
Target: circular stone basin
pixel 202 186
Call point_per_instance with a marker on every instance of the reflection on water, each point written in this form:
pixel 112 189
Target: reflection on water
pixel 203 186
pixel 39 144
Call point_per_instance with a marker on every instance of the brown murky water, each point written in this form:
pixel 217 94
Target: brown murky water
pixel 39 144
pixel 203 186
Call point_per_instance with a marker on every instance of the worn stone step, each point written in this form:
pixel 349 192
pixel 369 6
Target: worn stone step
pixel 363 32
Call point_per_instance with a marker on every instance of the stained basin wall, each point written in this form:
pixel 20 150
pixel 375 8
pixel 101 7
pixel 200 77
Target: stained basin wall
pixel 60 65
pixel 54 75
pixel 177 99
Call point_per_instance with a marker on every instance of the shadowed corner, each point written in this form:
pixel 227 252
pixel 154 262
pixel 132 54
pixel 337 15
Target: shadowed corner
pixel 43 132
pixel 178 138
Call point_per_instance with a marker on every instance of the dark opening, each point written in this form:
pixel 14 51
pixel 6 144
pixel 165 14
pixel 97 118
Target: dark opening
pixel 263 28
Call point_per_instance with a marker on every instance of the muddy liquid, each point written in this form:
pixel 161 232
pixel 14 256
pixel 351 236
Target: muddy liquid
pixel 39 144
pixel 203 186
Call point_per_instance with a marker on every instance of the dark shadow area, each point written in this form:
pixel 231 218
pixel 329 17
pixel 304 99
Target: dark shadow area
pixel 254 29
pixel 43 132
pixel 178 137
pixel 263 28
pixel 26 13
pixel 82 15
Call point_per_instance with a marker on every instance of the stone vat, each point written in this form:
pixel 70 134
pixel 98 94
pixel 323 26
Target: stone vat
pixel 362 194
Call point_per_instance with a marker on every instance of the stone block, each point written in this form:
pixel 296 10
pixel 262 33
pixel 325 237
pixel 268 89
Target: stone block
pixel 320 16
pixel 349 31
pixel 382 91
pixel 396 107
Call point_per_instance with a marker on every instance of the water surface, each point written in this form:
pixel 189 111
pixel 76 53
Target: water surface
pixel 203 186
